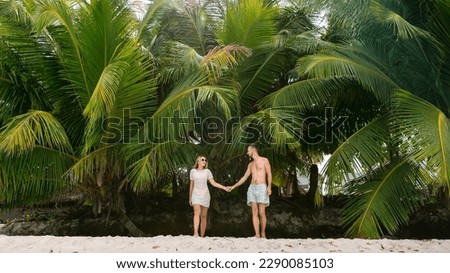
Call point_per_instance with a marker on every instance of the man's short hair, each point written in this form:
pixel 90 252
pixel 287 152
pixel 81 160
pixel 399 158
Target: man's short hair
pixel 254 146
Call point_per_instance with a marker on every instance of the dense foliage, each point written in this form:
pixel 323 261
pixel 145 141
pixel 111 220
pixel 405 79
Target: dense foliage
pixel 107 96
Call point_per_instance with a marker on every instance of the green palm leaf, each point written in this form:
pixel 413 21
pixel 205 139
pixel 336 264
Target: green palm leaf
pixel 426 134
pixel 256 75
pixel 86 167
pixel 440 26
pixel 157 7
pixel 401 26
pixel 32 176
pixel 305 94
pixel 349 63
pixel 279 128
pixel 360 154
pixel 248 23
pixel 192 92
pixel 27 67
pixel 384 202
pixel 103 98
pixel 150 161
pixel 223 58
pixel 24 132
pixel 49 13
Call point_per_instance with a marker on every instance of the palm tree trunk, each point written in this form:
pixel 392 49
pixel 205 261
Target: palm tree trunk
pixel 125 220
pixel 313 182
pixel 174 185
pixel 293 182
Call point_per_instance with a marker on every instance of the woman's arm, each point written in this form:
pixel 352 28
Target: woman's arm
pixel 191 188
pixel 215 184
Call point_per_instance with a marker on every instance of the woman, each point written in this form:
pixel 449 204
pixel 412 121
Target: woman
pixel 199 197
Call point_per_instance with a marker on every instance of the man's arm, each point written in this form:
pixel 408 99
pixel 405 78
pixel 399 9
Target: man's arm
pixel 269 177
pixel 243 179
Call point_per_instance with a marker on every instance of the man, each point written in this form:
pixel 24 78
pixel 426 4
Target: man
pixel 259 190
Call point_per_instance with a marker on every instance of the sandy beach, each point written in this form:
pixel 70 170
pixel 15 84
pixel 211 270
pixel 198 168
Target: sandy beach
pixel 189 244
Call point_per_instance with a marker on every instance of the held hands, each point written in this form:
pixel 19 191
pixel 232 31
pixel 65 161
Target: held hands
pixel 230 188
pixel 227 189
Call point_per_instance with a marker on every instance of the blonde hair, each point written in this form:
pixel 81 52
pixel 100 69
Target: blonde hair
pixel 196 162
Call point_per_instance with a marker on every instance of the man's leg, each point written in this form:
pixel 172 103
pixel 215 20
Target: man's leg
pixel 196 219
pixel 262 219
pixel 255 219
pixel 203 220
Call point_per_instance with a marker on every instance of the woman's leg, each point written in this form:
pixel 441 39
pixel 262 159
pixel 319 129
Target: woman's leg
pixel 197 211
pixel 203 221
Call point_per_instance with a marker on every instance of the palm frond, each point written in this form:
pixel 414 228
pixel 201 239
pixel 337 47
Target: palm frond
pixel 256 75
pixel 18 11
pixel 306 43
pixel 222 58
pixel 194 26
pixel 402 27
pixel 248 23
pixel 33 176
pixel 279 129
pixel 149 161
pixel 384 202
pixel 27 64
pixel 152 13
pixel 179 60
pixel 440 26
pixel 103 98
pixel 103 158
pixel 58 13
pixel 194 91
pixel 424 132
pixel 305 94
pixel 24 132
pixel 360 154
pixel 348 64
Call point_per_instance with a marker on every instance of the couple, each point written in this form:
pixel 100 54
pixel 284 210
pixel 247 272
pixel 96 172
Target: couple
pixel 257 194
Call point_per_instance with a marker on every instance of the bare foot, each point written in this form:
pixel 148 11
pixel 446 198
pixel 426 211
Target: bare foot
pixel 263 235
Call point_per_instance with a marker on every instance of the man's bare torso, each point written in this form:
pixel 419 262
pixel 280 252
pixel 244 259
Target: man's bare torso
pixel 258 170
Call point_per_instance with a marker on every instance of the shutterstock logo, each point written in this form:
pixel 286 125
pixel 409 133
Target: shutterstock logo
pixel 189 127
pixel 326 128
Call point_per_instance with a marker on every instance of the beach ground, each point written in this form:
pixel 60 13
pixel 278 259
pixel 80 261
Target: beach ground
pixel 189 244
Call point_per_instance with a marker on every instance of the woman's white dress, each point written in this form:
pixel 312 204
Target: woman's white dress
pixel 200 193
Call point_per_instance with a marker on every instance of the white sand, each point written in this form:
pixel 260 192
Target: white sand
pixel 171 244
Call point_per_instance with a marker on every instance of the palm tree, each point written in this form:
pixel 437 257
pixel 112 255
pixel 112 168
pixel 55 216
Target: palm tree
pixel 94 98
pixel 88 69
pixel 87 111
pixel 242 50
pixel 396 55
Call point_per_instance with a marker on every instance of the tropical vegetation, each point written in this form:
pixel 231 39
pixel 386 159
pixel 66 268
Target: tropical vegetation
pixel 106 97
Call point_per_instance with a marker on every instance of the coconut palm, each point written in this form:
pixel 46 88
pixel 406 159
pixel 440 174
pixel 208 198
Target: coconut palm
pixel 82 106
pixel 244 47
pixel 89 76
pixel 397 54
